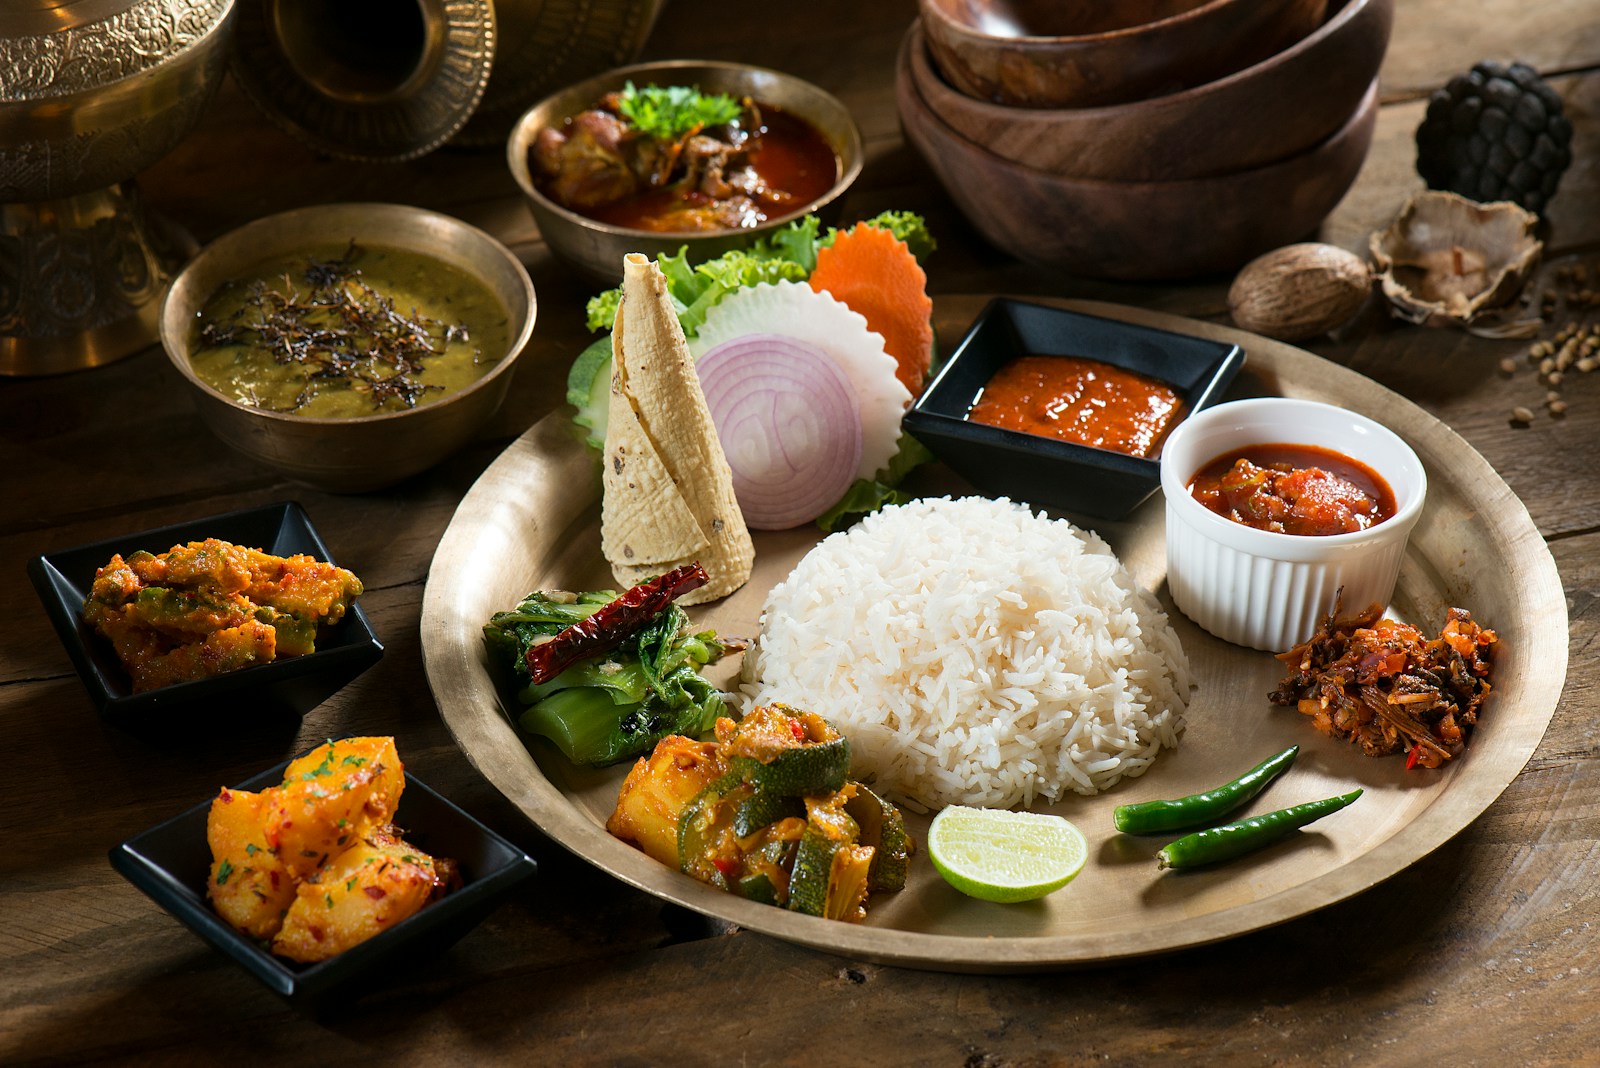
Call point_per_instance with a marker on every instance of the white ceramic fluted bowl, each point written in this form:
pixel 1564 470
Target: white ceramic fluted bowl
pixel 1266 590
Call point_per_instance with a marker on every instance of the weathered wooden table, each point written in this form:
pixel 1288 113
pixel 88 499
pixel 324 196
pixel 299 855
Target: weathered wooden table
pixel 1485 952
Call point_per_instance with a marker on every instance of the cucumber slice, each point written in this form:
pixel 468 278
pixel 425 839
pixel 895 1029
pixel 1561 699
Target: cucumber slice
pixel 589 390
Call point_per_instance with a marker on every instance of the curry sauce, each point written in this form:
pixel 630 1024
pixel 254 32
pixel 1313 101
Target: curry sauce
pixel 1294 489
pixel 1082 401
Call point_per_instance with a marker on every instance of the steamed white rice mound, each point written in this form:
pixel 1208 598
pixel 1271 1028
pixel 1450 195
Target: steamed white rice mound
pixel 975 653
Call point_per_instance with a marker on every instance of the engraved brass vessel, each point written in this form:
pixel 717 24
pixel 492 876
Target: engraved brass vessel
pixel 389 80
pixel 91 93
pixel 366 79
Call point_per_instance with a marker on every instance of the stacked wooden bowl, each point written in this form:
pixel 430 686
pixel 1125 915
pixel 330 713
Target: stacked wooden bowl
pixel 1238 127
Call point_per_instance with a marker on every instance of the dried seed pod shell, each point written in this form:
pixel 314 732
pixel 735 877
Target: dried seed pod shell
pixel 1445 260
pixel 1299 291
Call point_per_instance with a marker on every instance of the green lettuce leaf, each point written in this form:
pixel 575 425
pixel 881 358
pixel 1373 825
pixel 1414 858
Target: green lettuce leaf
pixel 788 254
pixel 868 495
pixel 908 226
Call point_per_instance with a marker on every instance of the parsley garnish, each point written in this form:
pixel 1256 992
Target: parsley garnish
pixel 324 768
pixel 329 899
pixel 223 871
pixel 669 112
pixel 353 760
pixel 251 849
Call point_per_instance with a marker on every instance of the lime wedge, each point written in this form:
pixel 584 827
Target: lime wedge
pixel 1005 856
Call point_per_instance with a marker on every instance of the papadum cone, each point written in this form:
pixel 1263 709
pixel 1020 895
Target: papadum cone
pixel 668 491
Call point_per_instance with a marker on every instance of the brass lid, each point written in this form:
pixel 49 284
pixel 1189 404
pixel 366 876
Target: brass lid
pixel 54 48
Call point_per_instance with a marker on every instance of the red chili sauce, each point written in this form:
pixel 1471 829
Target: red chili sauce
pixel 795 165
pixel 1294 489
pixel 1086 402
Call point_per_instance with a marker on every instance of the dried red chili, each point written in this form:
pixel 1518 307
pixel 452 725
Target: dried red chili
pixel 612 623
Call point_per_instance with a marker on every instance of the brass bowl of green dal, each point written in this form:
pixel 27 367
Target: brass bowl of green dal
pixel 349 346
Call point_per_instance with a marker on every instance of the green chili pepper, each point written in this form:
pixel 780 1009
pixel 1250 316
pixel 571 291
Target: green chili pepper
pixel 1217 844
pixel 1155 817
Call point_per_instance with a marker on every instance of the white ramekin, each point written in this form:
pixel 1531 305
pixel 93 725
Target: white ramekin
pixel 1267 590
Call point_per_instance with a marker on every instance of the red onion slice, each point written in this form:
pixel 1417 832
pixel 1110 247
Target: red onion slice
pixel 787 419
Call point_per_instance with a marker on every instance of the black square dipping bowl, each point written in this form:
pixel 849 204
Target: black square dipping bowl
pixel 291 686
pixel 172 861
pixel 1046 471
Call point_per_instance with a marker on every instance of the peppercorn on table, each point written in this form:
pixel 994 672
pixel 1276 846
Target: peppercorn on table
pixel 1484 951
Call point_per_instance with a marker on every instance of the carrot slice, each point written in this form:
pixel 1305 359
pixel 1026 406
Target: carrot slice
pixel 874 274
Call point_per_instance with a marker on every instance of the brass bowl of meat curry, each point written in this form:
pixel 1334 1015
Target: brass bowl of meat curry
pixel 349 346
pixel 600 187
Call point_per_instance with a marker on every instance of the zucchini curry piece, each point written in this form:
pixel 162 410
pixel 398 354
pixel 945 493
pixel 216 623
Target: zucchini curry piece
pixel 766 811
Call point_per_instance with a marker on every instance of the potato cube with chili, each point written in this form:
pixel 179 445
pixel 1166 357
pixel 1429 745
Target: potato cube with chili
pixel 248 886
pixel 363 891
pixel 329 798
pixel 656 791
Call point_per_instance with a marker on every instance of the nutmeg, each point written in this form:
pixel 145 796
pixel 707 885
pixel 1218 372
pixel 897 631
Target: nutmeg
pixel 1299 291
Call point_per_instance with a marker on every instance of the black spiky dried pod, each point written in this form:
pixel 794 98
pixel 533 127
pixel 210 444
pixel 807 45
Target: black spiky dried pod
pixel 1496 132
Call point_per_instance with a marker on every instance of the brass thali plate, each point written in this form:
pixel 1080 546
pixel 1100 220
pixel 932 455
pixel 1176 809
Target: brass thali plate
pixel 532 521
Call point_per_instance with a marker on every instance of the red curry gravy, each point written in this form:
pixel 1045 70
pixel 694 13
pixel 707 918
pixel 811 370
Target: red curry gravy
pixel 791 160
pixel 1294 489
pixel 1082 401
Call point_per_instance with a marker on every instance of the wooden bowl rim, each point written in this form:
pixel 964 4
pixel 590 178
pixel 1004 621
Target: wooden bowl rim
pixel 1346 14
pixel 1369 102
pixel 1031 43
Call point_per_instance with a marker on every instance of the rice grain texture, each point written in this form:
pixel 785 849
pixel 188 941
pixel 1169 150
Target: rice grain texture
pixel 975 653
